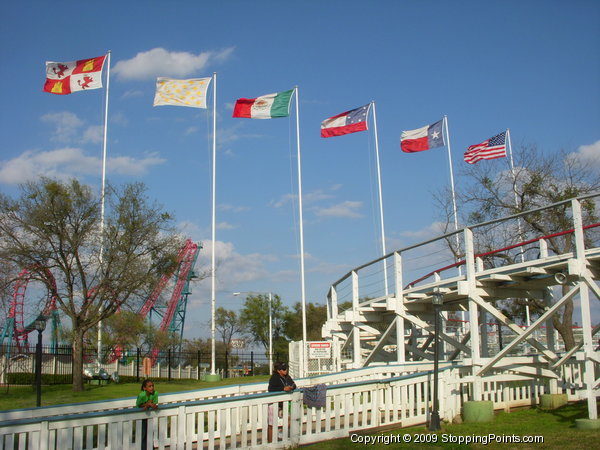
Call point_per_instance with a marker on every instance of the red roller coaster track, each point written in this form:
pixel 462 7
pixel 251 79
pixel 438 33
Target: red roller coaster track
pixel 17 306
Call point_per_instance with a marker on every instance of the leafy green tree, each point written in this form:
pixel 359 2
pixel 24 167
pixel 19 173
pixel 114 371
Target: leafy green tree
pixel 191 348
pixel 125 329
pixel 255 318
pixel 316 315
pixel 538 180
pixel 53 227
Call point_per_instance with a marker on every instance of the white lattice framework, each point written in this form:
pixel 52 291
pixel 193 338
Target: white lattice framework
pixel 398 327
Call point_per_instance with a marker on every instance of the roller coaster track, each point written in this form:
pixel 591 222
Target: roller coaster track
pixel 391 321
pixel 15 330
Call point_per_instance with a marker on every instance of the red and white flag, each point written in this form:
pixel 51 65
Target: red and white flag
pixel 66 77
pixel 492 148
pixel 423 138
pixel 346 122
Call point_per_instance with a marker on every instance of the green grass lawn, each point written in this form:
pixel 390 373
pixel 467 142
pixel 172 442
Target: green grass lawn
pixel 17 397
pixel 557 427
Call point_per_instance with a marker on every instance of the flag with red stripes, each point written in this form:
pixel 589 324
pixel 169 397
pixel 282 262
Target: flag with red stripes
pixel 494 147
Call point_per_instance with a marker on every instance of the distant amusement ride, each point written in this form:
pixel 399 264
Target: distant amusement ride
pixel 14 334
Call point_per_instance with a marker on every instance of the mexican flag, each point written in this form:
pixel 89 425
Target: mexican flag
pixel 267 106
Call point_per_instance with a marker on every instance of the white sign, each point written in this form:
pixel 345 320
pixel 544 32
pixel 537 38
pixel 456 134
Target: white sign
pixel 319 350
pixel 238 343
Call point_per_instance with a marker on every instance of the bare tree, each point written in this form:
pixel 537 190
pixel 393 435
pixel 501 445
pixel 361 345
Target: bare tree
pixel 228 324
pixel 53 230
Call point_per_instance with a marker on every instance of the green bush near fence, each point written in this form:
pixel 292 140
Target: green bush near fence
pixel 21 378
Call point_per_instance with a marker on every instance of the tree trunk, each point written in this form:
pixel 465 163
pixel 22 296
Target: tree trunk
pixel 565 328
pixel 77 360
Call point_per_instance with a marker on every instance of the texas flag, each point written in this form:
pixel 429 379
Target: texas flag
pixel 422 138
pixel 66 77
pixel 346 122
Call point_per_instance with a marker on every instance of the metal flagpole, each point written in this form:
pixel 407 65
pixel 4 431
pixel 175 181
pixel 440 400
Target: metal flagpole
pixel 214 186
pixel 303 292
pixel 103 191
pixel 385 279
pixel 519 229
pixel 463 316
pixel 451 179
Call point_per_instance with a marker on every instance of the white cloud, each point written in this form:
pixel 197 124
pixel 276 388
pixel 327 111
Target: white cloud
pixel 232 208
pixel 434 229
pixel 233 268
pixel 225 226
pixel 67 163
pixel 119 118
pixel 308 198
pixel 133 93
pixel 229 134
pixel 345 209
pixel 589 154
pixel 69 128
pixel 125 165
pixel 66 125
pixel 94 134
pixel 161 62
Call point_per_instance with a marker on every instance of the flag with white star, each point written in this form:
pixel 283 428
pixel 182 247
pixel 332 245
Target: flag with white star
pixel 492 148
pixel 346 122
pixel 424 138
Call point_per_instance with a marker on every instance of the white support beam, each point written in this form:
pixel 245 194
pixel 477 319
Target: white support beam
pixel 473 313
pixel 357 358
pixel 400 350
pixel 586 313
pixel 549 313
pixel 430 328
pixel 551 356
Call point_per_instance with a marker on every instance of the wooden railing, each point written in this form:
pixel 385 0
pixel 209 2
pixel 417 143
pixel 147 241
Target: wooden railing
pixel 348 376
pixel 241 421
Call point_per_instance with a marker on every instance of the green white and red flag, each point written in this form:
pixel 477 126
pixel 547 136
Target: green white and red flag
pixel 66 77
pixel 267 106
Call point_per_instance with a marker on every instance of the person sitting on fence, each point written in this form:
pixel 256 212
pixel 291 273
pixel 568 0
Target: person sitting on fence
pixel 280 381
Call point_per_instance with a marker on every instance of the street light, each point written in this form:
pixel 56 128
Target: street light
pixel 270 323
pixel 40 326
pixel 437 301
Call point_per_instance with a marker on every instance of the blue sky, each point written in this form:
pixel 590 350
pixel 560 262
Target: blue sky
pixel 531 66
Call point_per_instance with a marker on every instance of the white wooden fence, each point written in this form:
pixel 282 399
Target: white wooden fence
pixel 377 397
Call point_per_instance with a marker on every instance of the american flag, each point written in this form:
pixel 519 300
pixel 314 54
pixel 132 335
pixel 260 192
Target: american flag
pixel 494 147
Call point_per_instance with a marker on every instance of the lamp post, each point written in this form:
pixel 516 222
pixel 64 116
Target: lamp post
pixel 270 323
pixel 40 326
pixel 437 301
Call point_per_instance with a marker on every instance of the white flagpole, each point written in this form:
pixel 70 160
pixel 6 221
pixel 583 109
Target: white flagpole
pixel 451 178
pixel 520 231
pixel 303 292
pixel 383 252
pixel 213 268
pixel 103 190
pixel 454 205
